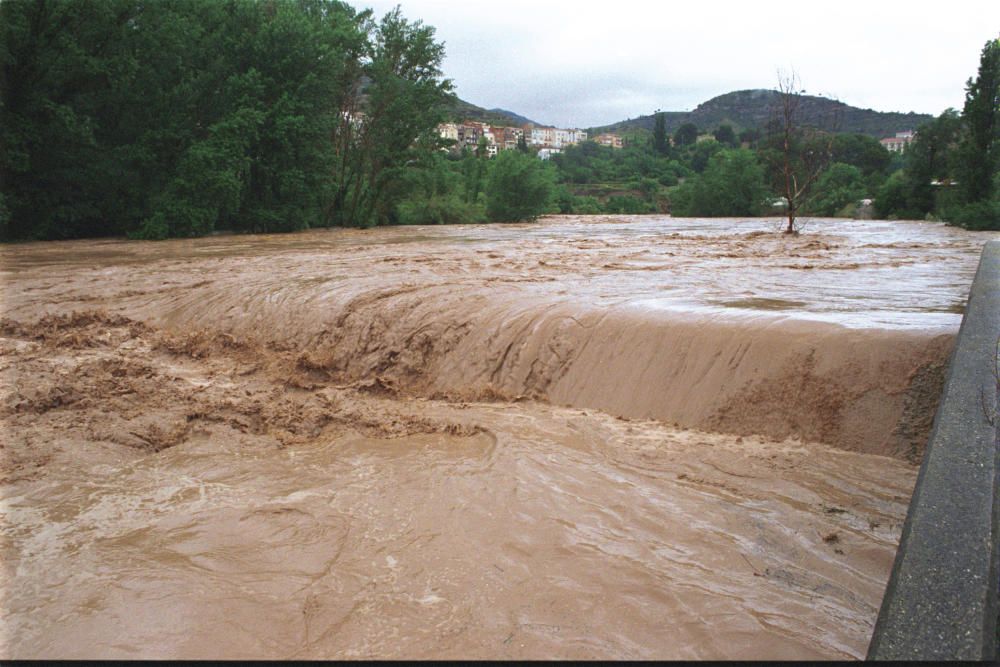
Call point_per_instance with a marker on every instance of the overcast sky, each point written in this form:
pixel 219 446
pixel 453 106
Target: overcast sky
pixel 584 63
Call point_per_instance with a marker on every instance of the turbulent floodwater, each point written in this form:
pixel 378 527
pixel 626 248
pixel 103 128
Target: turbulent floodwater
pixel 594 438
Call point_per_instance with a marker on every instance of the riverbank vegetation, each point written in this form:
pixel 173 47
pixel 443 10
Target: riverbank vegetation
pixel 182 117
pixel 952 169
pixel 950 172
pixel 185 117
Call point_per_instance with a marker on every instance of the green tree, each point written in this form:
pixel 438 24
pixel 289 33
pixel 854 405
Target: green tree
pixel 750 137
pixel 893 199
pixel 702 152
pixel 473 176
pixel 932 156
pixel 861 151
pixel 627 205
pixel 660 142
pixel 732 185
pixel 436 195
pixel 262 161
pixel 520 187
pixel 58 61
pixel 840 186
pixel 726 135
pixel 391 120
pixel 982 120
pixel 175 117
pixel 482 148
pixel 686 134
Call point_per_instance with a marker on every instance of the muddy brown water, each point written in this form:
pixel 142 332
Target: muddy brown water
pixel 584 438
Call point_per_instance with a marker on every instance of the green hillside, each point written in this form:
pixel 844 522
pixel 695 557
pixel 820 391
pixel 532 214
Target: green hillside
pixel 462 110
pixel 751 109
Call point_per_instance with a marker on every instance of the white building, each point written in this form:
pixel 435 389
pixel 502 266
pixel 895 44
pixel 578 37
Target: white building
pixel 552 137
pixel 900 142
pixel 542 136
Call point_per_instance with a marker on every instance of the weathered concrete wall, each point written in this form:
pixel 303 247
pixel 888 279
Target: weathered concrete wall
pixel 942 599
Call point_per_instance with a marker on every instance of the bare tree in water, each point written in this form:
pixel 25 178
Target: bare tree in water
pixel 798 153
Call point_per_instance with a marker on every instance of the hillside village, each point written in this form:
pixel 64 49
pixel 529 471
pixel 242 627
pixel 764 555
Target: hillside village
pixel 547 140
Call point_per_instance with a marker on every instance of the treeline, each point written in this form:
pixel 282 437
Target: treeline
pixel 952 168
pixel 466 186
pixel 185 117
pixel 721 173
pixel 182 117
pixel 950 172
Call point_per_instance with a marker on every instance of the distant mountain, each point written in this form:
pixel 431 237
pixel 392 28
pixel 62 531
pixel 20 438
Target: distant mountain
pixel 751 109
pixel 463 110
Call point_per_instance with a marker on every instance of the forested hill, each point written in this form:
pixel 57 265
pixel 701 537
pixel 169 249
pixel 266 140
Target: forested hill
pixel 462 110
pixel 751 109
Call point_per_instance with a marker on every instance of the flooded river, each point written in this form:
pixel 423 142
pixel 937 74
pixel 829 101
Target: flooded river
pixel 584 438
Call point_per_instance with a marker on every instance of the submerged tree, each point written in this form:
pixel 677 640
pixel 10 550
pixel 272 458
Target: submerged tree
pixel 797 154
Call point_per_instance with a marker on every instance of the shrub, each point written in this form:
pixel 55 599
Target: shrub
pixel 976 216
pixel 627 204
pixel 439 210
pixel 587 206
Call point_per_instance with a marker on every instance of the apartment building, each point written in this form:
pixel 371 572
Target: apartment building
pixel 900 142
pixel 609 139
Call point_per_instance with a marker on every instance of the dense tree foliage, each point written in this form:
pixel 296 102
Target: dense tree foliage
pixel 401 100
pixel 863 152
pixel 930 162
pixel 979 147
pixel 520 188
pixel 838 191
pixel 952 168
pixel 686 134
pixel 180 117
pixel 439 192
pixel 726 135
pixel 699 154
pixel 183 117
pixel 661 144
pixel 638 179
pixel 732 185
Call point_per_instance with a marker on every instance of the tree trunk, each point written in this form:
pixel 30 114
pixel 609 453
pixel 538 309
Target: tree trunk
pixel 790 229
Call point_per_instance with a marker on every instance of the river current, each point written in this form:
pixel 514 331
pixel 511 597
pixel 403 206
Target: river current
pixel 583 438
